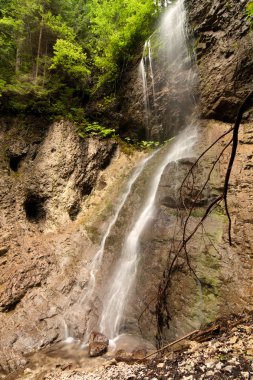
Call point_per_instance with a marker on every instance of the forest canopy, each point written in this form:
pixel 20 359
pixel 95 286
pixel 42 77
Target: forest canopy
pixel 56 54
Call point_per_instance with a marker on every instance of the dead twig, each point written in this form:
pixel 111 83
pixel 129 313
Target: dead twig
pixel 171 344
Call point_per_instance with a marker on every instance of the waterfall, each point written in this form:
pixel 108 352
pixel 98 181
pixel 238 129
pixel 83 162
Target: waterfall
pixel 147 73
pixel 95 264
pixel 125 273
pixel 145 92
pixel 173 57
pixel 167 79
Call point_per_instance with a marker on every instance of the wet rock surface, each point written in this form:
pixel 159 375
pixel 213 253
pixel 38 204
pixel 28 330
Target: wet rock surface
pixel 98 344
pixel 220 268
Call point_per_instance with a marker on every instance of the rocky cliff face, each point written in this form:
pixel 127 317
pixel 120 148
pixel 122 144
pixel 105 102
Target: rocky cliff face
pixel 223 44
pixel 214 279
pixel 45 176
pixel 224 47
pixel 47 173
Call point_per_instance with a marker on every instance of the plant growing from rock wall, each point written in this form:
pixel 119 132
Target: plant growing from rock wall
pixel 94 129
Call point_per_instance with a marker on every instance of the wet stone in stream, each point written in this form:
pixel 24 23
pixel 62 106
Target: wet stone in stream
pixel 98 344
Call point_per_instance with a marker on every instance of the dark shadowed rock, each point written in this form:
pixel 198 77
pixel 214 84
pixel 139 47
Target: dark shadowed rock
pixel 223 45
pixel 4 250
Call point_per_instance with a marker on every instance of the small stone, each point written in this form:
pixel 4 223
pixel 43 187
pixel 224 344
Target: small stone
pixel 250 352
pixel 160 365
pixel 27 371
pixel 210 363
pixel 238 346
pixel 4 250
pixel 109 363
pixel 233 340
pixel 228 368
pixel 219 366
pixel 233 361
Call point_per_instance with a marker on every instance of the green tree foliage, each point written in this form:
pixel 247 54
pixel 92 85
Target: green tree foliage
pixel 117 28
pixel 55 53
pixel 70 58
pixel 249 11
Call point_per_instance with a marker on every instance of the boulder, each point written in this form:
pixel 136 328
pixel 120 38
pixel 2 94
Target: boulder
pixel 98 344
pixel 129 357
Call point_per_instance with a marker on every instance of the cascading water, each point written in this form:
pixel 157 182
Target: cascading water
pixel 167 78
pixel 95 265
pixel 166 51
pixel 145 92
pixel 175 60
pixel 126 270
pixel 97 260
pixel 147 73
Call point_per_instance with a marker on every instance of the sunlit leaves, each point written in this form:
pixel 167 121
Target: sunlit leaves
pixel 117 28
pixel 70 58
pixel 249 11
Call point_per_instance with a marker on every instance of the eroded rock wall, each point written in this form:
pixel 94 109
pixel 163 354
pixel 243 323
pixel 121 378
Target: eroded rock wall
pixel 224 47
pixel 52 181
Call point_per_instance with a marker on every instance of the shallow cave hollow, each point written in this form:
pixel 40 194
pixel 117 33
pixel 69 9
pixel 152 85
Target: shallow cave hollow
pixel 14 162
pixel 74 210
pixel 34 207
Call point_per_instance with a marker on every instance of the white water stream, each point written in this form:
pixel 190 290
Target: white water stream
pixel 97 259
pixel 124 275
pixel 147 73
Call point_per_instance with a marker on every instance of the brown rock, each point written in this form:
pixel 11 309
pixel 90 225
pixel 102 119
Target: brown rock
pixel 124 356
pixel 139 354
pixel 98 344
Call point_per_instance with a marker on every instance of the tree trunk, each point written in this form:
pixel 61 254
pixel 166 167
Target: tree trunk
pixel 17 67
pixel 45 68
pixel 38 53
